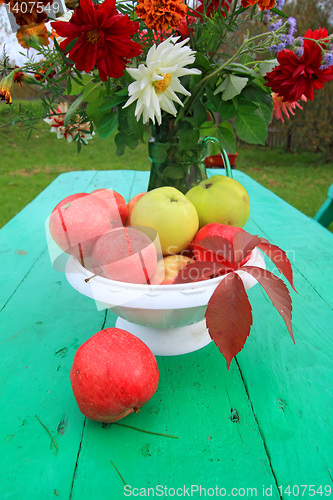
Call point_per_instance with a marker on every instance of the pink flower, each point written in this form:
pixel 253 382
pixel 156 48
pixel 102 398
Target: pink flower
pixel 280 106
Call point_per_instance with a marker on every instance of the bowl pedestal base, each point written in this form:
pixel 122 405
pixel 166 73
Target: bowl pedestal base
pixel 172 341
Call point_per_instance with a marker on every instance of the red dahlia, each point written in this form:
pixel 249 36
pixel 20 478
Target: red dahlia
pixel 103 38
pixel 297 76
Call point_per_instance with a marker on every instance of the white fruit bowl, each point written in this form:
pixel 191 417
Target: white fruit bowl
pixel 168 318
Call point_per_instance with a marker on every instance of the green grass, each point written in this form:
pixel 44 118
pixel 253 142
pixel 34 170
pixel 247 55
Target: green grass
pixel 29 166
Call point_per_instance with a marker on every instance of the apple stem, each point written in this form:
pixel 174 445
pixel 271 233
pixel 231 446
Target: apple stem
pixel 136 409
pixel 93 276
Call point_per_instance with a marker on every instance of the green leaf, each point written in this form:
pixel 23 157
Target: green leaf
pixel 72 110
pixel 122 140
pixel 226 137
pixel 232 86
pixel 227 110
pixel 240 69
pixel 279 12
pixel 188 136
pixel 112 101
pixel 107 125
pixel 208 128
pixel 266 66
pixel 92 92
pixel 202 62
pixel 261 99
pixel 199 113
pixel 78 84
pixel 251 128
pixel 173 172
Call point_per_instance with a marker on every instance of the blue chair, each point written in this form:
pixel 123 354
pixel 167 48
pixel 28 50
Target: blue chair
pixel 325 214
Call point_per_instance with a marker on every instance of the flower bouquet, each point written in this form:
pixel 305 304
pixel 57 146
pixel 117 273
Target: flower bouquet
pixel 188 69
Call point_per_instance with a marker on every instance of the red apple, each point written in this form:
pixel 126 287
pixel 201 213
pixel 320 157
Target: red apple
pixel 116 204
pixel 215 229
pixel 77 221
pixel 168 268
pixel 125 254
pixel 113 374
pixel 131 205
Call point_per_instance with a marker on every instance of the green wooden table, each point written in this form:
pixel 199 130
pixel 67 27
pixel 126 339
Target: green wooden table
pixel 263 427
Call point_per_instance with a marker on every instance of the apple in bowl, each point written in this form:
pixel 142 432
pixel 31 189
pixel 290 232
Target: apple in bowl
pixel 220 199
pixel 171 214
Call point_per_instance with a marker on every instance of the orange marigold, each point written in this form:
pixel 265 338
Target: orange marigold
pixel 28 11
pixel 263 4
pixel 5 88
pixel 160 15
pixel 32 33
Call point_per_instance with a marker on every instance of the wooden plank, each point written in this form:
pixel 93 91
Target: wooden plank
pixel 42 326
pixel 305 241
pixel 219 442
pixel 23 239
pixel 290 386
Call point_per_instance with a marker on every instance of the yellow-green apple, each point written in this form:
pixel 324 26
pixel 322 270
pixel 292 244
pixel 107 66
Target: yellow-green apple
pixel 171 214
pixel 113 374
pixel 220 199
pixel 116 204
pixel 167 269
pixel 131 204
pixel 125 254
pixel 215 229
pixel 76 223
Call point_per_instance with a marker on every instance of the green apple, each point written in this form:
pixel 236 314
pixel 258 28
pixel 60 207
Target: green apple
pixel 171 214
pixel 220 199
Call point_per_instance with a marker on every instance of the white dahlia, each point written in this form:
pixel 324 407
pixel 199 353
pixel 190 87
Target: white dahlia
pixel 157 81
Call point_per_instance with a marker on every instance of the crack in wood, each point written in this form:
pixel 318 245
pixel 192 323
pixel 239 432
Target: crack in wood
pixel 77 458
pixel 258 426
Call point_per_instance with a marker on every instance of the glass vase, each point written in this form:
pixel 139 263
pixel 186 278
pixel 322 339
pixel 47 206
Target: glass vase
pixel 174 165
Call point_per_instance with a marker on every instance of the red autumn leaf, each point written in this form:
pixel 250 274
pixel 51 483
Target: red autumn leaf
pixel 221 249
pixel 276 290
pixel 244 243
pixel 229 316
pixel 279 258
pixel 199 271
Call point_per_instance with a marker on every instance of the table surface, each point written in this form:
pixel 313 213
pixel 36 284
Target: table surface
pixel 259 428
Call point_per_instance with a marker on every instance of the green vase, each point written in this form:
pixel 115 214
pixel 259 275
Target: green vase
pixel 176 166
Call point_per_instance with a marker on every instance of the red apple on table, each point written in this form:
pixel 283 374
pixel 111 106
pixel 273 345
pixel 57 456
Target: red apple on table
pixel 116 204
pixel 131 205
pixel 125 254
pixel 76 223
pixel 215 229
pixel 168 268
pixel 113 374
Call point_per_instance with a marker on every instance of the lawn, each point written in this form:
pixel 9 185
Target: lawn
pixel 28 166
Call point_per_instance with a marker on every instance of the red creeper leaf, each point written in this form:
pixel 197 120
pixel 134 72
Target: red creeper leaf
pixel 229 316
pixel 197 271
pixel 279 258
pixel 244 243
pixel 221 248
pixel 276 290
